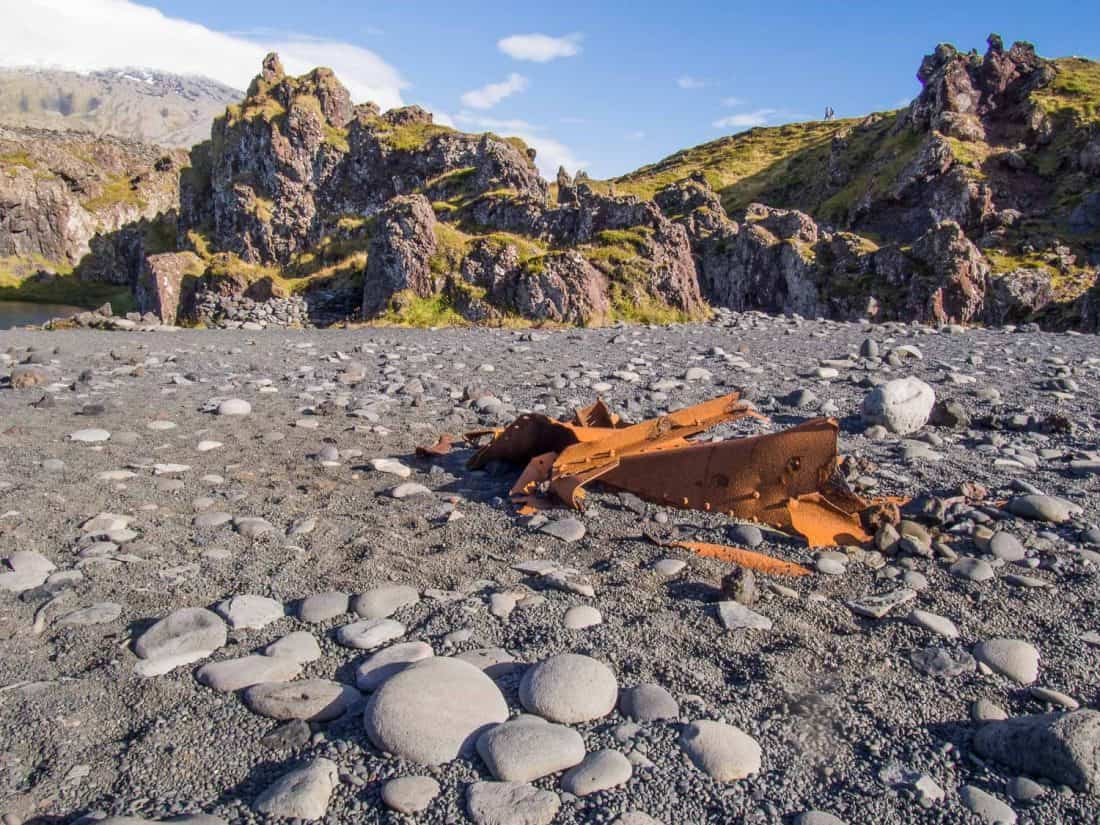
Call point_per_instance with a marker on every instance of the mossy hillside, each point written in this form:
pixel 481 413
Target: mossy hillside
pixel 621 255
pixel 118 191
pixel 451 245
pixel 405 137
pixel 18 157
pixel 19 267
pixel 735 166
pixel 263 97
pixel 877 154
pixel 1068 282
pixel 1074 92
pixel 406 309
pixel 632 308
pixel 971 154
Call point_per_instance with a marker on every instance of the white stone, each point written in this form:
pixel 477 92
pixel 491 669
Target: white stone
pixel 935 623
pixel 90 436
pixel 187 631
pixel 229 675
pixel 369 633
pixel 1014 659
pixel 24 570
pixel 312 700
pixel 383 602
pixel 511 803
pixel 390 466
pixel 735 616
pixel 599 771
pixel 409 489
pixel 303 793
pixel 528 747
pixel 581 616
pixel 301 646
pixel 250 612
pixel 234 406
pixel 725 753
pixel 389 662
pixel 409 794
pixel 321 607
pixel 902 405
pixel 569 688
pixel 433 711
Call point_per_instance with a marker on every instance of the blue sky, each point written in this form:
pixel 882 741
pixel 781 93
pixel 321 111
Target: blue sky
pixel 645 79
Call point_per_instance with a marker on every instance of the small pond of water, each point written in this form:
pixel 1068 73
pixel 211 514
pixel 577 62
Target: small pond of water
pixel 21 313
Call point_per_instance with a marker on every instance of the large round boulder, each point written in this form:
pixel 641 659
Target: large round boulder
pixel 434 710
pixel 569 688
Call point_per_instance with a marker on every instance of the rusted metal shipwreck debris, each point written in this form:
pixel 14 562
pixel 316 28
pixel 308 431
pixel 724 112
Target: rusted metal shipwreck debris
pixel 788 479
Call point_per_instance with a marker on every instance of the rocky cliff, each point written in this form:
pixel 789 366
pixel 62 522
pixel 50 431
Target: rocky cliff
pixel 1003 147
pixel 301 194
pixel 59 191
pixel 978 203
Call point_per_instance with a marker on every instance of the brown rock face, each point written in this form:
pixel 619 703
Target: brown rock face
pixel 58 189
pixel 971 97
pixel 1015 297
pixel 781 260
pixel 400 253
pixel 166 282
pixel 560 287
pixel 661 266
pixel 764 261
pixel 953 278
pixel 284 166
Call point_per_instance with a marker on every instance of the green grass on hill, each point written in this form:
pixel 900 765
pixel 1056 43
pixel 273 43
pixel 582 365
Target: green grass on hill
pixel 761 154
pixel 116 192
pixel 1075 90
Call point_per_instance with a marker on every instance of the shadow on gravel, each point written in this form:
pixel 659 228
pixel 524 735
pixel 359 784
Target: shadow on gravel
pixel 694 591
pixel 957 732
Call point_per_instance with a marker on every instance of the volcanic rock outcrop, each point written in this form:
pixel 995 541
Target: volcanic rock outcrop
pixel 977 203
pixel 59 189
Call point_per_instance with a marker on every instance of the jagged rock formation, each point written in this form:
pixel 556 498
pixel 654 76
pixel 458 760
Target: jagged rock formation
pixel 781 260
pixel 165 281
pixel 1005 145
pixel 58 190
pixel 978 203
pixel 300 190
pixel 981 98
pixel 295 157
pixel 133 104
pixel 403 245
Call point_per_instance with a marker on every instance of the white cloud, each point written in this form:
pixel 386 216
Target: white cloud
pixel 99 34
pixel 686 81
pixel 732 101
pixel 540 48
pixel 496 124
pixel 745 120
pixel 549 153
pixel 635 135
pixel 491 94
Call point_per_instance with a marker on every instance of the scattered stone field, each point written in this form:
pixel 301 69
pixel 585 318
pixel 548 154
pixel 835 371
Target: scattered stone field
pixel 233 592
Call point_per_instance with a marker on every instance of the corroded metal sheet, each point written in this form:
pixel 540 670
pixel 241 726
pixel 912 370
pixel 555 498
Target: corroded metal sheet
pixel 786 479
pixel 761 562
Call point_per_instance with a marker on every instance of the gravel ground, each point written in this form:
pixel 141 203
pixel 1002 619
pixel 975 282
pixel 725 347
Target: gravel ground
pixel 845 722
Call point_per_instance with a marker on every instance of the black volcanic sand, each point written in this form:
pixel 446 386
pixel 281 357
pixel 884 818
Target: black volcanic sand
pixel 840 713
